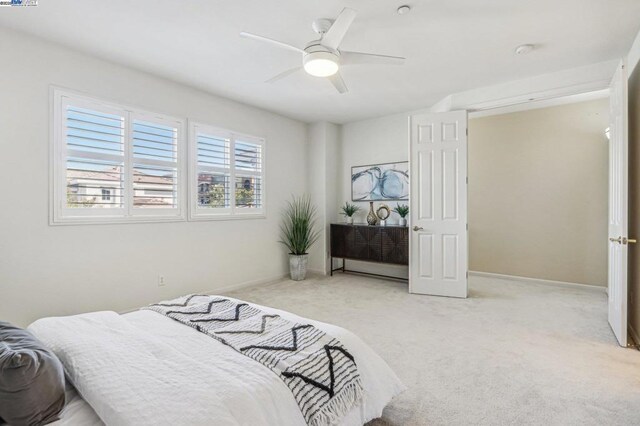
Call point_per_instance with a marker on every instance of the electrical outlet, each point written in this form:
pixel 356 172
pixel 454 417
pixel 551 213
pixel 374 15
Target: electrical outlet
pixel 161 282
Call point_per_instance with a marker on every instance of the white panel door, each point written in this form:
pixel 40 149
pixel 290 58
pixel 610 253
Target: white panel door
pixel 438 195
pixel 618 205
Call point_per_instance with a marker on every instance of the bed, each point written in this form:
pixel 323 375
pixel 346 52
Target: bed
pixel 145 368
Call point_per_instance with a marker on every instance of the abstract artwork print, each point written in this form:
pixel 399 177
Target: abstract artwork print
pixel 380 182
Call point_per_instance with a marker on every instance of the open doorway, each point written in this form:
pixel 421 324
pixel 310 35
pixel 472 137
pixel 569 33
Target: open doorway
pixel 538 190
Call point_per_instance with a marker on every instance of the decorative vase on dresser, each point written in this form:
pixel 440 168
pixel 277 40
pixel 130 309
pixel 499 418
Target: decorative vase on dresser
pixel 372 219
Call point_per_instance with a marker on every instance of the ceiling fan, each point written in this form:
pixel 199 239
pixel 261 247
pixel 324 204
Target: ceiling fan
pixel 323 57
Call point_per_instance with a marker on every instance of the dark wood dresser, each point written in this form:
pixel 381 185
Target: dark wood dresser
pixel 382 244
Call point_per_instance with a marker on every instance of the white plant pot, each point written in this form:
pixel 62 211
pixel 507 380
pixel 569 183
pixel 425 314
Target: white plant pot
pixel 298 266
pixel 349 220
pixel 403 221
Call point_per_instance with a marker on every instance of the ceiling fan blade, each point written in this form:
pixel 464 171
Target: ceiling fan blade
pixel 334 36
pixel 271 41
pixel 338 82
pixel 283 75
pixel 357 58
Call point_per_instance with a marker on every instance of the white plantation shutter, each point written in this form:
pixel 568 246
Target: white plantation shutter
pixel 92 153
pixel 227 174
pixel 155 165
pixel 213 167
pixel 113 164
pixel 248 174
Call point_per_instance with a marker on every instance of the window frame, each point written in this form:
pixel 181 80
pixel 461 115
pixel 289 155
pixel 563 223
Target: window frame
pixel 60 214
pixel 232 213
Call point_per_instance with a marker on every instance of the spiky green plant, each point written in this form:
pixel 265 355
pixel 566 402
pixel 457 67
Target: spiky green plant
pixel 349 209
pixel 402 210
pixel 298 227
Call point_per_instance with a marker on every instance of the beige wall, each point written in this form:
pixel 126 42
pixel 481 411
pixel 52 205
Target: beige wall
pixel 634 202
pixel 538 193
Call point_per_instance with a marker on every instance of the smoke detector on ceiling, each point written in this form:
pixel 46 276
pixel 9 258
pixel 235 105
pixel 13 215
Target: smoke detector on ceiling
pixel 523 49
pixel 404 9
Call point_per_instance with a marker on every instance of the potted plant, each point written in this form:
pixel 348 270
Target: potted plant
pixel 348 210
pixel 403 211
pixel 299 234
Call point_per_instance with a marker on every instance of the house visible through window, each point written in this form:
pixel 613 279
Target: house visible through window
pixel 106 195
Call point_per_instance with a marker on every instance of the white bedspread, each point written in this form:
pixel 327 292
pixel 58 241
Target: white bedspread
pixel 143 368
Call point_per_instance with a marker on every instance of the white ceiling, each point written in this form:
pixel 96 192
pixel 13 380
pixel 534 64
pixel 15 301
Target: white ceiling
pixel 450 45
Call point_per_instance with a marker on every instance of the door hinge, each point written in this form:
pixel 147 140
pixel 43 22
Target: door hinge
pixel 467 180
pixel 467 226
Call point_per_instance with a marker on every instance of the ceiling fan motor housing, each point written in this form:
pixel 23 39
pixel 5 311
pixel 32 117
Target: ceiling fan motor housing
pixel 319 60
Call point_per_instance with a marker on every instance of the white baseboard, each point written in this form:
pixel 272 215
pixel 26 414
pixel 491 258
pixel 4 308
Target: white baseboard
pixel 232 287
pixel 317 271
pixel 238 286
pixel 536 280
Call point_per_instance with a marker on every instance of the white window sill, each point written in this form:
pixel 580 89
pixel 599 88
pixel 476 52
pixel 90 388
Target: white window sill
pixel 149 219
pixel 113 220
pixel 246 216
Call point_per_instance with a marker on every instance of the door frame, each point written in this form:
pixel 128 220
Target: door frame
pixel 486 106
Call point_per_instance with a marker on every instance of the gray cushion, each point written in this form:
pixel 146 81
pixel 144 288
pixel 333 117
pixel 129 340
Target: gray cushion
pixel 31 379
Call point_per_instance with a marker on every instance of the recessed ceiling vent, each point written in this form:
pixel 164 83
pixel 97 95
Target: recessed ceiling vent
pixel 523 49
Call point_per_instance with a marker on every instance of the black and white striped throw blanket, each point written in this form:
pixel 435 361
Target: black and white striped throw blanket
pixel 318 369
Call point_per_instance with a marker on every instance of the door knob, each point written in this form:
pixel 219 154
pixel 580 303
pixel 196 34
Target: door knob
pixel 623 240
pixel 418 228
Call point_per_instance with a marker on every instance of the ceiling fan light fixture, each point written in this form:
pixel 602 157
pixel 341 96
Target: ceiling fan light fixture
pixel 320 64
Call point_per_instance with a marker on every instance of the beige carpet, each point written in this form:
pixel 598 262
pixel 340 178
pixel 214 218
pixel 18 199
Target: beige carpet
pixel 513 353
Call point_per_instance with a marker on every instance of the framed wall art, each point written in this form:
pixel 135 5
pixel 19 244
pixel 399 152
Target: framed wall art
pixel 380 182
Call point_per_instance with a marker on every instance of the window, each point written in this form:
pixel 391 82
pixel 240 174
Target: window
pixel 227 174
pixel 113 163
